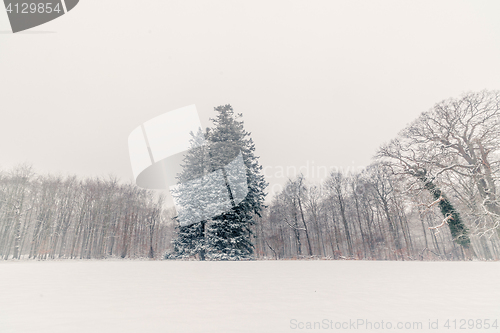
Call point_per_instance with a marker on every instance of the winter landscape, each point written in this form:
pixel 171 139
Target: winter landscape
pixel 234 166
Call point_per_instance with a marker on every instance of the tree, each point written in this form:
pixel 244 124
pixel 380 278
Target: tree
pixel 230 232
pixel 466 132
pixel 219 191
pixel 336 184
pixel 456 139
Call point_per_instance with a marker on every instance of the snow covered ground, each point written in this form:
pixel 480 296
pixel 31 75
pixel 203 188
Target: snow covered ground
pixel 260 296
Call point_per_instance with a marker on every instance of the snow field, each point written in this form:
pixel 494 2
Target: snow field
pixel 258 296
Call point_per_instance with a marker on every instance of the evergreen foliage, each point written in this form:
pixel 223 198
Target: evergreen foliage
pixel 457 227
pixel 220 191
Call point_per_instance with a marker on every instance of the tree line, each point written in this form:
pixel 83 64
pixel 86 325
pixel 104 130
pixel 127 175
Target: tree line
pixel 52 217
pixel 431 193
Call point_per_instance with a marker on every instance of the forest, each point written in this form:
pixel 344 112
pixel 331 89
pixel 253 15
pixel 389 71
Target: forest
pixel 431 193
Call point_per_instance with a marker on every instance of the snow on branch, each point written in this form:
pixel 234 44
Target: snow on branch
pixel 445 221
pixel 432 204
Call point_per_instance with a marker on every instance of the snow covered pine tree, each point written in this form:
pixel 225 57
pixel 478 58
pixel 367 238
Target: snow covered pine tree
pixel 230 232
pixel 210 176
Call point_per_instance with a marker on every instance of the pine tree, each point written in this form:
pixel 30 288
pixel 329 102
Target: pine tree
pixel 230 233
pixel 219 191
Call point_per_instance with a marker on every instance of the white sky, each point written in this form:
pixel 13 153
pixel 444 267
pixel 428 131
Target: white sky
pixel 322 83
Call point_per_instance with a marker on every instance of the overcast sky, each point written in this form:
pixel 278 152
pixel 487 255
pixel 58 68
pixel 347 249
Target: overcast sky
pixel 320 83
